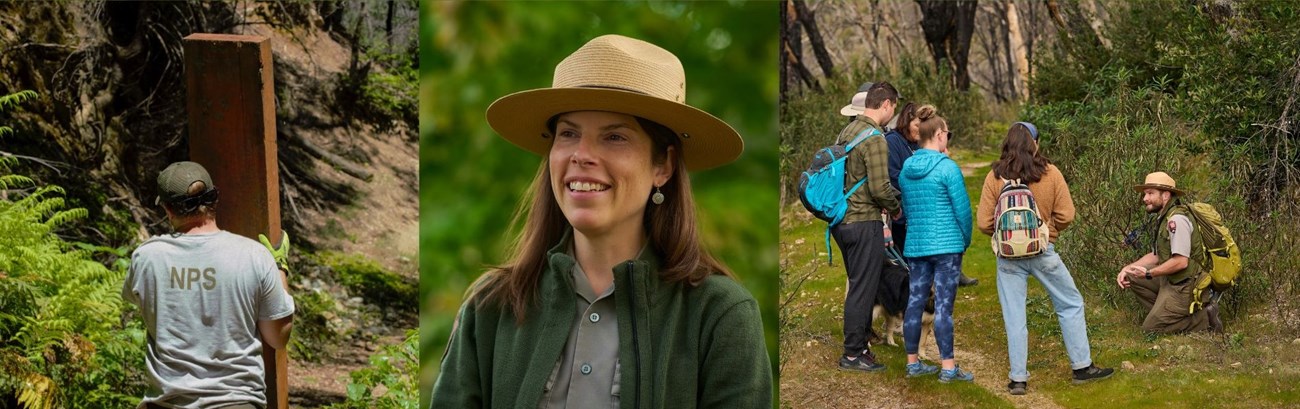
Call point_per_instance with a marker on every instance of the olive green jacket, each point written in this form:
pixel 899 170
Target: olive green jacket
pixel 680 346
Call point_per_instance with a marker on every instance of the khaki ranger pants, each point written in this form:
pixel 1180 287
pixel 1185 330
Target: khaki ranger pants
pixel 1167 305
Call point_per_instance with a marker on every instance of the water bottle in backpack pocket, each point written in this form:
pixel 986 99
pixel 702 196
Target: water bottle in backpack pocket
pixel 1018 227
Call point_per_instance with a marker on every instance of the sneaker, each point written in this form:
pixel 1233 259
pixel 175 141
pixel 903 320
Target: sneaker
pixel 865 363
pixel 955 374
pixel 1091 373
pixel 1017 388
pixel 967 281
pixel 920 368
pixel 1212 312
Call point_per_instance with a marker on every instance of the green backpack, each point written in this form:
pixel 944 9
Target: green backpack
pixel 1222 257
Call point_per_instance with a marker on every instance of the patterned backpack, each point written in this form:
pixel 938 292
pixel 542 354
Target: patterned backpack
pixel 1018 227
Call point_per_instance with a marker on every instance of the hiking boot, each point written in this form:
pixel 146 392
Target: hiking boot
pixel 1091 373
pixel 967 281
pixel 920 368
pixel 1018 388
pixel 955 374
pixel 1212 312
pixel 865 363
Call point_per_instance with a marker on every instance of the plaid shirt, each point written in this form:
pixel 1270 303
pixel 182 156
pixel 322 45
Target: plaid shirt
pixel 870 160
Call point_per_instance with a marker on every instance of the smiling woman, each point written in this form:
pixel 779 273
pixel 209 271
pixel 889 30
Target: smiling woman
pixel 609 296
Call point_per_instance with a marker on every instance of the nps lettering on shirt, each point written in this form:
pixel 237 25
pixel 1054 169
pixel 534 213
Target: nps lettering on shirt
pixel 185 278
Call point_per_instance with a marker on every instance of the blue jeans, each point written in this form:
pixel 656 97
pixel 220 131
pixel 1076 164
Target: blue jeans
pixel 943 271
pixel 1013 277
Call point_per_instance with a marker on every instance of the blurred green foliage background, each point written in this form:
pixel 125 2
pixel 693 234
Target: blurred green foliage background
pixel 472 180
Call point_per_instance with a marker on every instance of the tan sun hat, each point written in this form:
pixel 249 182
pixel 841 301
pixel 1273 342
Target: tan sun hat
pixel 614 73
pixel 1162 181
pixel 858 104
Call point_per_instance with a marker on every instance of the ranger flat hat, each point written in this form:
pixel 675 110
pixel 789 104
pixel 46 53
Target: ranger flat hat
pixel 1162 181
pixel 619 74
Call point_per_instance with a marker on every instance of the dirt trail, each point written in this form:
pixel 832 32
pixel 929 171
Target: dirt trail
pixel 990 373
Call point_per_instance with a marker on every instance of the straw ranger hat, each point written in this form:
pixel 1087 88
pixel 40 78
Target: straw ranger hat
pixel 614 73
pixel 1162 181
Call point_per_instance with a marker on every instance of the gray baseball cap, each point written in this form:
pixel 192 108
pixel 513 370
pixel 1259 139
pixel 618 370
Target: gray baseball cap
pixel 174 181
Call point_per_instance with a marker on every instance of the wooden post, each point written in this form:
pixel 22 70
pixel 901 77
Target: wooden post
pixel 231 106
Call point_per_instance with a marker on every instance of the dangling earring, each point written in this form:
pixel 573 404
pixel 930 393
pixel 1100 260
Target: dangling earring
pixel 658 197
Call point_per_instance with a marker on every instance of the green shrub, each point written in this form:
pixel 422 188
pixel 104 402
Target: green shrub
pixel 1201 95
pixel 385 86
pixel 1106 145
pixel 390 382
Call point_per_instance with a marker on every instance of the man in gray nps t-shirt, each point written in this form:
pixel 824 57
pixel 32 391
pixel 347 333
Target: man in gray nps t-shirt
pixel 209 299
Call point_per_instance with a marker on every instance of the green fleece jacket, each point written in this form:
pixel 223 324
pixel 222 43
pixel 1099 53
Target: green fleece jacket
pixel 680 346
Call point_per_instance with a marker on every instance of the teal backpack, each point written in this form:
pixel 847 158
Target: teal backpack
pixel 821 187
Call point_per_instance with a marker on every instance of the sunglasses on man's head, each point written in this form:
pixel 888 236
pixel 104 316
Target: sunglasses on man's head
pixel 191 202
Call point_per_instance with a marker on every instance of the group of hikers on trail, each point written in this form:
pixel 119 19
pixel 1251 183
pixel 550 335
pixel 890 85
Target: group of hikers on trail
pixel 902 201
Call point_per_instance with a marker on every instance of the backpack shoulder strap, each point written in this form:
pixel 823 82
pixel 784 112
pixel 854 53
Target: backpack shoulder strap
pixel 862 136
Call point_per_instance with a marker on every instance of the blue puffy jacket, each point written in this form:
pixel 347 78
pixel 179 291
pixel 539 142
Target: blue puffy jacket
pixel 936 204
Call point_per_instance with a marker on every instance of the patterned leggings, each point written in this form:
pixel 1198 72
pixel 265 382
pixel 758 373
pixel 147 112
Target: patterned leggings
pixel 943 271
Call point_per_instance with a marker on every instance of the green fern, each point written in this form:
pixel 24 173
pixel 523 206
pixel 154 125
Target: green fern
pixel 63 343
pixel 10 101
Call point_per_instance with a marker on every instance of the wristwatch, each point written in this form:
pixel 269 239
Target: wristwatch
pixel 1147 272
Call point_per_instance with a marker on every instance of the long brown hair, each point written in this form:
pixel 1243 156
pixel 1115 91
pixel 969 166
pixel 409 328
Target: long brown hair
pixel 1020 157
pixel 671 227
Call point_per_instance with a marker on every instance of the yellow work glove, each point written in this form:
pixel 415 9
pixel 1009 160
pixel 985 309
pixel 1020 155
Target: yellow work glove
pixel 281 254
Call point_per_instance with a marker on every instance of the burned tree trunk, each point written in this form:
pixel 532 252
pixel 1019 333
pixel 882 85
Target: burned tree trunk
pixel 805 17
pixel 793 69
pixel 388 23
pixel 948 28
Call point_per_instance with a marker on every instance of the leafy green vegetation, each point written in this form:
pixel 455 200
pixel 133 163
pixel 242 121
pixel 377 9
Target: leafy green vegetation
pixel 1207 98
pixel 64 342
pixel 391 92
pixel 390 381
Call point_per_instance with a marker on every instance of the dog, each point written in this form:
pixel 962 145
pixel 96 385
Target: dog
pixel 891 302
pixel 893 324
